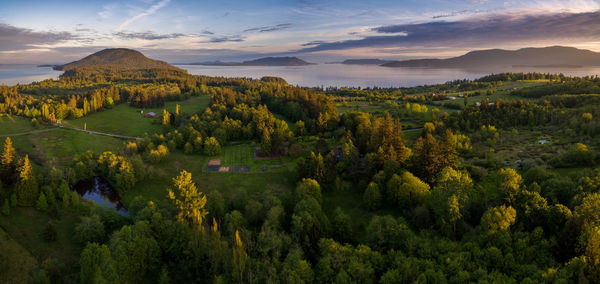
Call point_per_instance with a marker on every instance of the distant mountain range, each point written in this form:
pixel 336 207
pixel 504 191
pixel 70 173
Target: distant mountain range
pixel 266 61
pixel 375 61
pixel 555 56
pixel 117 57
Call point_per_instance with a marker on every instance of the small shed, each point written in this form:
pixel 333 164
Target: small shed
pixel 150 114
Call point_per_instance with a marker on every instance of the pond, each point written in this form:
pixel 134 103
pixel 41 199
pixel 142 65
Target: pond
pixel 100 191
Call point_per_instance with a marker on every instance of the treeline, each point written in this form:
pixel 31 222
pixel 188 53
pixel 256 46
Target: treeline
pixel 503 77
pixel 505 114
pixel 574 86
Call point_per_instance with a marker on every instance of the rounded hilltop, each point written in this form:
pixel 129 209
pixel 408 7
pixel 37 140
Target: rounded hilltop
pixel 117 57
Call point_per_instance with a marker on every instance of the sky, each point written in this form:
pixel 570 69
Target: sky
pixel 180 31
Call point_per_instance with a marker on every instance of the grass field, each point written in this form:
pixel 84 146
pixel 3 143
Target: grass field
pixel 26 226
pixel 15 125
pixel 359 106
pixel 61 145
pixel 227 183
pixel 243 155
pixel 15 261
pixel 125 120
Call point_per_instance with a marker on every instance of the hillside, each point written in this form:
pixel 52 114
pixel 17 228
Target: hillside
pixel 276 61
pixel 117 58
pixel 375 61
pixel 265 61
pixel 526 57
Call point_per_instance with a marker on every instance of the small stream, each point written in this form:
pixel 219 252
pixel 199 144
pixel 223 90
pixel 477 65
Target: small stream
pixel 100 191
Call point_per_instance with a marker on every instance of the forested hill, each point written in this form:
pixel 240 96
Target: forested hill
pixel 265 61
pixel 531 57
pixel 119 58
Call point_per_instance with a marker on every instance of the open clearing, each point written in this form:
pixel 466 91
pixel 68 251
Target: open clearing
pixel 125 120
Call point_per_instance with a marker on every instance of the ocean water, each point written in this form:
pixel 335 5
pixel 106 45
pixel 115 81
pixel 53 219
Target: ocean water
pixel 343 75
pixel 12 74
pixel 325 75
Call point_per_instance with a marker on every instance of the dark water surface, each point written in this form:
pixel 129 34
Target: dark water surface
pixel 12 74
pixel 100 191
pixel 339 75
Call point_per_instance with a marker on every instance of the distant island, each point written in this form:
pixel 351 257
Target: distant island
pixel 525 57
pixel 116 58
pixel 375 61
pixel 265 61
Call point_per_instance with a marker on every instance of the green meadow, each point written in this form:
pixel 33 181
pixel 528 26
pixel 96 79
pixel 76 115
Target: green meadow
pixel 126 120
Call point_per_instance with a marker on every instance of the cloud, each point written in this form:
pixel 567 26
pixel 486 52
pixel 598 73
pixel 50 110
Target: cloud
pixel 107 12
pixel 150 11
pixel 269 28
pixel 13 38
pixel 481 31
pixel 224 38
pixel 148 35
pixel 313 43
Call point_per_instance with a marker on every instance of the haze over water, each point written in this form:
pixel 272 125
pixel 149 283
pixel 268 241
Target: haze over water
pixel 339 75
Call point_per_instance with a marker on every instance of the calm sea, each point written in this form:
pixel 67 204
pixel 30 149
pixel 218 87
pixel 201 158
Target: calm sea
pixel 314 75
pixel 12 74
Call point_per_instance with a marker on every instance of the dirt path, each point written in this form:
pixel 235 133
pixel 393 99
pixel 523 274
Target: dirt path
pixel 71 128
pixel 99 133
pixel 29 132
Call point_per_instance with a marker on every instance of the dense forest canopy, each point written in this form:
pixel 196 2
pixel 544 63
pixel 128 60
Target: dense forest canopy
pixel 438 197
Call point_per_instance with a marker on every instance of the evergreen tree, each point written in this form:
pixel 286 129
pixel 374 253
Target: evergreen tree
pixel 27 186
pixel 239 258
pixel 42 203
pixel 7 162
pixel 166 118
pixel 189 201
pixel 372 196
pixel 266 146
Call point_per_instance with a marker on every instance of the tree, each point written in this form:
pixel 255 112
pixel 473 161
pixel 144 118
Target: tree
pixel 27 186
pixel 454 182
pixel 212 146
pixel 309 188
pixel 41 204
pixel 97 265
pixel 341 225
pixel 135 252
pixel 407 190
pixel 385 232
pixel 296 269
pixel 498 218
pixel 372 196
pixel 300 128
pixel 454 209
pixel 509 183
pixel 166 119
pixel 239 257
pixel 91 229
pixel 432 156
pixel 189 201
pixel 7 162
pixel 266 147
pixel 590 246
